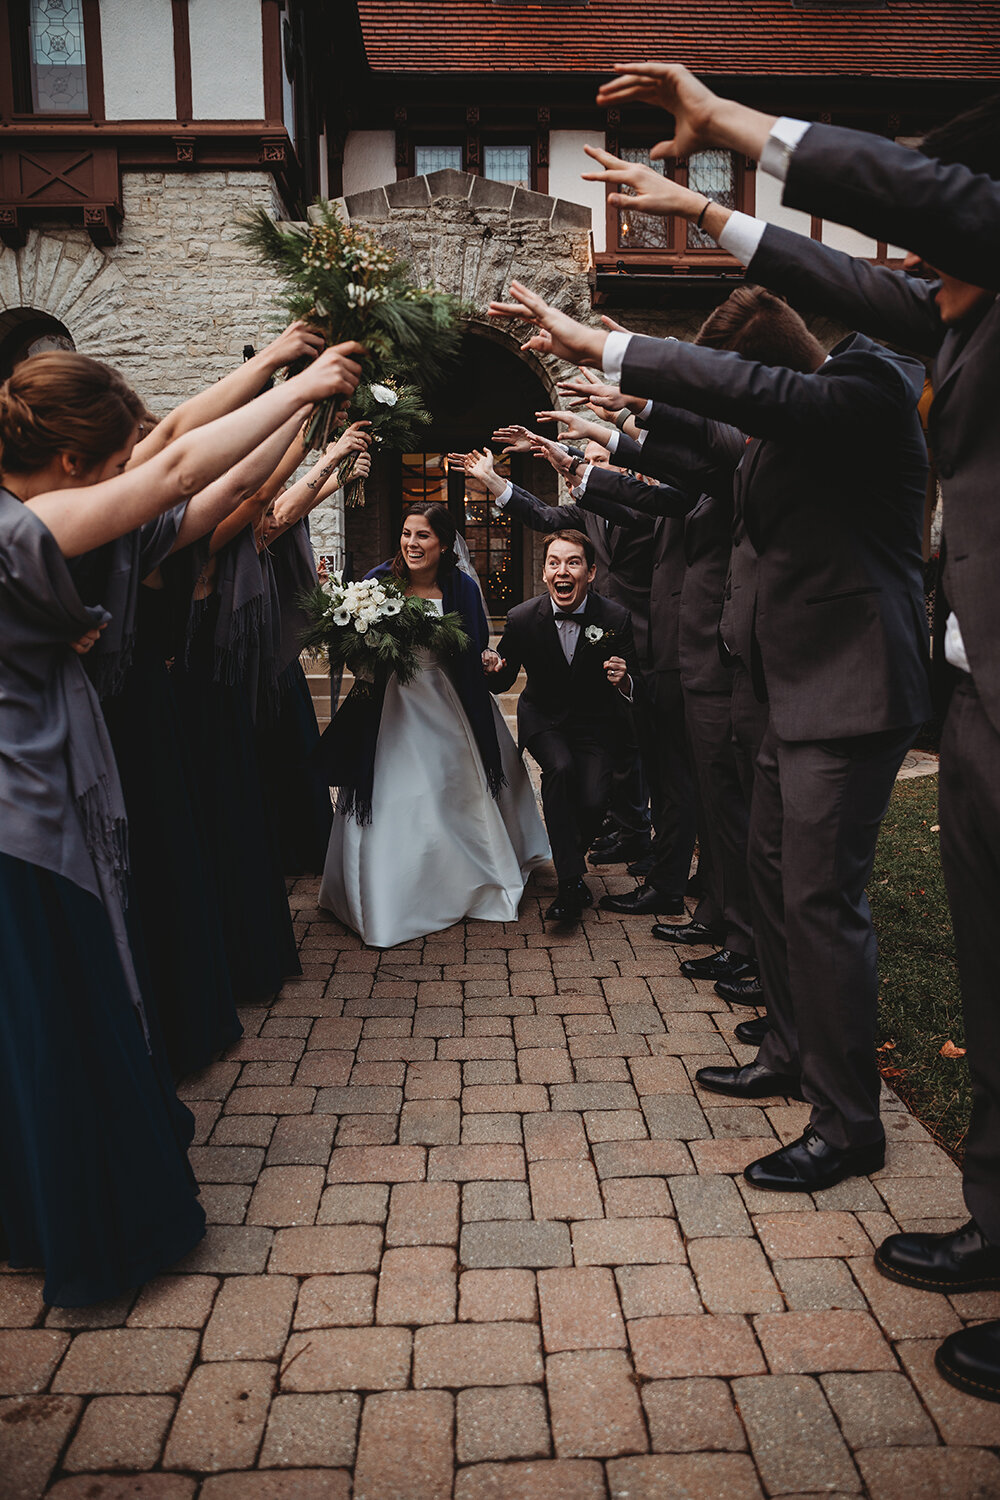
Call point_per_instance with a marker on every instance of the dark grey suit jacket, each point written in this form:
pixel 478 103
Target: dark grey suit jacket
pixel 831 499
pixel 963 429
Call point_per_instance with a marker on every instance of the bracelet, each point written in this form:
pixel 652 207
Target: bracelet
pixel 622 417
pixel 698 221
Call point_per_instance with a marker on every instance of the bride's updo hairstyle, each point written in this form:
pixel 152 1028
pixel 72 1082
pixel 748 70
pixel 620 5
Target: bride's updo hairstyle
pixel 64 402
pixel 444 528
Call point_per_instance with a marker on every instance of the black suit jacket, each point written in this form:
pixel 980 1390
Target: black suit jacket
pixel 963 427
pixel 558 691
pixel 830 497
pixel 624 552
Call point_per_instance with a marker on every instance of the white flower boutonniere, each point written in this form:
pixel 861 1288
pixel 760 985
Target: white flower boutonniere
pixel 594 633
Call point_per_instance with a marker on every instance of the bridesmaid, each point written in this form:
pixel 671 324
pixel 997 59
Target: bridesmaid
pixel 94 1182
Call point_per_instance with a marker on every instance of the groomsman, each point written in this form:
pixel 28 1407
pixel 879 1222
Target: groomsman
pixel 577 651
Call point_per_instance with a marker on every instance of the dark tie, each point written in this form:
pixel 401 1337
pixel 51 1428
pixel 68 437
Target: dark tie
pixel 561 614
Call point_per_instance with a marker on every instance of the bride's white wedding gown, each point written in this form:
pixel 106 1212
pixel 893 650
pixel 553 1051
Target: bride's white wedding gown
pixel 439 846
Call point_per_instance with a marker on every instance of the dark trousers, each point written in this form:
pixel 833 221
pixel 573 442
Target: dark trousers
pixel 723 818
pixel 814 822
pixel 969 813
pixel 674 805
pixel 577 764
pixel 749 717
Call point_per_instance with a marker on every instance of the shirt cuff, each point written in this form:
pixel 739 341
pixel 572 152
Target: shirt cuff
pixel 612 443
pixel 742 236
pixel 580 489
pixel 780 144
pixel 614 353
pixel 504 495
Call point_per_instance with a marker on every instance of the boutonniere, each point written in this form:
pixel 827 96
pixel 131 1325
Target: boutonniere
pixel 595 634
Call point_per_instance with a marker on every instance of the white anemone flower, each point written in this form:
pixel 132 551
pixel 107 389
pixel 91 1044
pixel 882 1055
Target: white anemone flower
pixel 383 395
pixel 342 617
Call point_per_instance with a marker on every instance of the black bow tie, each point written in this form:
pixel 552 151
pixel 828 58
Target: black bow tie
pixel 561 614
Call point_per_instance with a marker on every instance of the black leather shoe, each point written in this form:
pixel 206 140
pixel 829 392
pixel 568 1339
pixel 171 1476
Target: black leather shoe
pixel 605 841
pixel 970 1359
pixel 752 1081
pixel 722 965
pixel 621 852
pixel 640 868
pixel 808 1165
pixel 686 932
pixel 740 991
pixel 571 898
pixel 645 900
pixel 963 1261
pixel 752 1032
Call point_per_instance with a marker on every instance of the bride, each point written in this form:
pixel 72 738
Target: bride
pixel 454 829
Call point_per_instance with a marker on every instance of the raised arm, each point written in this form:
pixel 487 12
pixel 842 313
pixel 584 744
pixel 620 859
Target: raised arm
pixel 209 508
pixel 608 492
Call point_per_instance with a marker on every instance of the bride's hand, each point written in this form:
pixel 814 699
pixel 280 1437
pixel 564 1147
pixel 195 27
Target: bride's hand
pixel 492 660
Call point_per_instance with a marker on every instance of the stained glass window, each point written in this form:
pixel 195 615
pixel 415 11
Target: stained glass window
pixel 436 159
pixel 714 174
pixel 425 477
pixel 58 60
pixel 641 231
pixel 508 164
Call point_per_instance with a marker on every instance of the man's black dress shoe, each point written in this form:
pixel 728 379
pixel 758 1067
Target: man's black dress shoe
pixel 752 1081
pixel 621 851
pixel 722 965
pixel 605 841
pixel 740 991
pixel 963 1261
pixel 808 1165
pixel 970 1359
pixel 752 1032
pixel 571 898
pixel 686 932
pixel 643 901
pixel 640 868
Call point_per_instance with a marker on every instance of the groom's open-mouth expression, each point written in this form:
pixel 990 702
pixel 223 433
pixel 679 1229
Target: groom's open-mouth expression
pixel 567 574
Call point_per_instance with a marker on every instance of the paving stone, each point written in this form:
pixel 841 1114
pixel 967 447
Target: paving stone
pixel 121 1432
pixel 960 1419
pixel 734 1276
pixel 555 1137
pixel 245 1130
pixel 225 1202
pixel 545 1065
pixel 581 1096
pixel 792 1236
pixel 656 1291
pixel 923 1197
pixel 702 1345
pixel 497 1296
pixel 603 1070
pixel 564 1190
pixel 377 1164
pixel 624 1242
pixel 174 1302
pixel 930 1473
pixel 495 1200
pixel 230 1249
pixel 501 1422
pixel 286 1195
pixel 33 1430
pixel 271 1101
pixel 732 1123
pixel 220 1418
pixel 557 1479
pixel 793 1437
pixel 636 1198
pixel 496 1129
pixel 251 1318
pixel 878 1410
pixel 594 1405
pixel 335 1033
pixel 354 1203
pixel 817 1283
pixel 320 1069
pixel 524 1098
pixel 301 1140
pixel 692 1416
pixel 134 1487
pixel 614 1125
pixel 336 1301
pixel 515 1242
pixel 405 1450
pixel 125 1361
pixel 430 1122
pixel 438 1021
pixel 659 1075
pixel 21 1301
pixel 355 1100
pixel 709 1206
pixel 732 1155
pixel 367 1130
pixel 347 1359
pixel 226 1163
pixel 800 1342
pixel 489 1073
pixel 424 1213
pixel 417 1286
pixel 675 1117
pixel 904 1312
pixel 481 1048
pixel 463 1354
pixel 311 1431
pixel 339 1247
pixel 609 1044
pixel 696 1476
pixel 476 1163
pixel 580 1310
pixel 642 1159
pixel 110 1314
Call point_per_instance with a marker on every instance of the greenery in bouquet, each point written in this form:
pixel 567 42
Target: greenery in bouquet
pixel 349 286
pixel 374 628
pixel 396 413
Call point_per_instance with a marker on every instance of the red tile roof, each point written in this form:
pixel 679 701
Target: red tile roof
pixel 907 39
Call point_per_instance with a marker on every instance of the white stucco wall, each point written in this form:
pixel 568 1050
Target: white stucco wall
pixel 771 208
pixel 566 162
pixel 137 46
pixel 369 160
pixel 848 240
pixel 227 59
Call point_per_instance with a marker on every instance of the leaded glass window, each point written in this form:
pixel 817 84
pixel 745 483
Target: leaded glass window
pixel 714 174
pixel 641 231
pixel 425 477
pixel 436 159
pixel 508 164
pixel 58 60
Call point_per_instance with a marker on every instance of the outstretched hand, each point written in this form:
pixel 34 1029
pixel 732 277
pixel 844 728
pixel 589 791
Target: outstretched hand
pixel 575 425
pixel 652 192
pixel 478 464
pixel 297 341
pixel 492 661
pixel 604 400
pixel 701 119
pixel 517 438
pixel 335 371
pixel 559 334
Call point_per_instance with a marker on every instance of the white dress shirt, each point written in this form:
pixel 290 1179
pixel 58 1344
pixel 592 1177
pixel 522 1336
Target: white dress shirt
pixel 569 630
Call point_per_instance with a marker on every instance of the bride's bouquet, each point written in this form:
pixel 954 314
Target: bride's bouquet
pixel 374 628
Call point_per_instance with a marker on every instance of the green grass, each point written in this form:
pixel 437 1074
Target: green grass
pixel 919 1005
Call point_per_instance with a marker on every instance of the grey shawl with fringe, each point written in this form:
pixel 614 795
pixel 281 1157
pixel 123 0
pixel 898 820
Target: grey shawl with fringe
pixel 61 803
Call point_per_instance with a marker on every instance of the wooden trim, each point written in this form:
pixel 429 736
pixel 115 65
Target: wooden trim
pixel 95 59
pixel 816 228
pixel 6 61
pixel 273 61
pixel 182 61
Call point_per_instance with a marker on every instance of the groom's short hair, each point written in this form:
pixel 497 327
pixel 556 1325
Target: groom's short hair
pixel 578 538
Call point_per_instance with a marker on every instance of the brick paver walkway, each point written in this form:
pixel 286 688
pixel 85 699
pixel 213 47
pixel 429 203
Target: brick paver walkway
pixel 474 1233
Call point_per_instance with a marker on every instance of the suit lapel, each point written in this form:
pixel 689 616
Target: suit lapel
pixel 583 646
pixel 741 487
pixel 550 634
pixel 955 351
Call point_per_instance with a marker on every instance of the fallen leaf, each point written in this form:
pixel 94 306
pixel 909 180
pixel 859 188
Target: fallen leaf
pixel 935 828
pixel 950 1050
pixel 886 1047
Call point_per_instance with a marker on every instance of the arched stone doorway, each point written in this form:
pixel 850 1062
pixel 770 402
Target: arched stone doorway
pixel 25 331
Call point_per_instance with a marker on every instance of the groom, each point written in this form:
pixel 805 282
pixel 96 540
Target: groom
pixel 577 651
